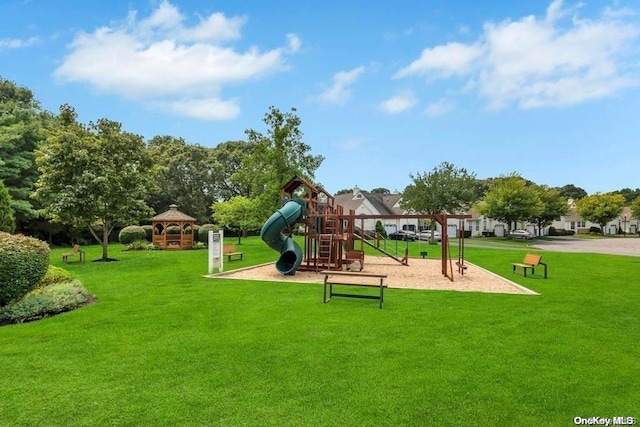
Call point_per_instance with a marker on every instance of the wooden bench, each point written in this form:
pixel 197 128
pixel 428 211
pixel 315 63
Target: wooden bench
pixel 530 261
pixel 230 251
pixel 75 251
pixel 337 281
pixel 354 256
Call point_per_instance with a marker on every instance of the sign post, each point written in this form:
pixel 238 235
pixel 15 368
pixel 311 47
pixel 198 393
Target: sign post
pixel 215 251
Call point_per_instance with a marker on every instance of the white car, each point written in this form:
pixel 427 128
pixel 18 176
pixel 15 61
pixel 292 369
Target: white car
pixel 426 235
pixel 521 234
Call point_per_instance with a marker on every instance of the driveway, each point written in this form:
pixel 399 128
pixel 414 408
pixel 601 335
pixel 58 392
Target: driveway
pixel 615 246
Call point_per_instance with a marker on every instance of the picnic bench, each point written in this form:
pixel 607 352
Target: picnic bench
pixel 530 262
pixel 336 280
pixel 230 251
pixel 354 256
pixel 75 251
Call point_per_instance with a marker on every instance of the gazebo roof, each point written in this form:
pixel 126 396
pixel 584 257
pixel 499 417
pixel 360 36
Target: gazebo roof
pixel 173 214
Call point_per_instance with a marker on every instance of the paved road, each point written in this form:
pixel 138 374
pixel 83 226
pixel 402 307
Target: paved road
pixel 616 246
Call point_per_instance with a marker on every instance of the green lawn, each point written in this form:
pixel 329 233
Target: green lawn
pixel 164 346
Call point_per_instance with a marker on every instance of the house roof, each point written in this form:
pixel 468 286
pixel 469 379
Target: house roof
pixel 382 203
pixel 173 214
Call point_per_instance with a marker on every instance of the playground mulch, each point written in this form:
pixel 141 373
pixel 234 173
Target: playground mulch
pixel 419 274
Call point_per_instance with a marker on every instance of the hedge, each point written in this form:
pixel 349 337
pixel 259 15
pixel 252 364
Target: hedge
pixel 23 264
pixel 131 233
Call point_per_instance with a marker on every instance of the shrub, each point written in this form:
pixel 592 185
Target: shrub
pixel 55 275
pixel 141 245
pixel 42 302
pixel 203 232
pixel 131 233
pixel 173 229
pixel 552 231
pixel 380 229
pixel 23 263
pixel 148 229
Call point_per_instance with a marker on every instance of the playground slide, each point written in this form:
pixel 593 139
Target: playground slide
pixel 271 233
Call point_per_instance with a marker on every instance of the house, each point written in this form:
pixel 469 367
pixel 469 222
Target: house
pixel 363 203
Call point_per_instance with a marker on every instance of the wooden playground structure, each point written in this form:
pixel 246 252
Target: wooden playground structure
pixel 334 238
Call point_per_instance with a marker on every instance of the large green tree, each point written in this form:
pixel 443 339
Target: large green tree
pixel 277 157
pixel 600 208
pixel 93 176
pixel 22 125
pixel 184 174
pixel 509 199
pixel 229 157
pixel 554 206
pixel 7 220
pixel 570 191
pixel 239 213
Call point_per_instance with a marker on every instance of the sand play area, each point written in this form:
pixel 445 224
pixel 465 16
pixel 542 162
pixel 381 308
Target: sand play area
pixel 419 274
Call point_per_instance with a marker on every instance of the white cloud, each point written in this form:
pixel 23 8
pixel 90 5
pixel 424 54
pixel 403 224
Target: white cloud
pixel 443 61
pixel 340 89
pixel 18 43
pixel 440 107
pixel 165 62
pixel 399 103
pixel 205 109
pixel 558 60
pixel 294 42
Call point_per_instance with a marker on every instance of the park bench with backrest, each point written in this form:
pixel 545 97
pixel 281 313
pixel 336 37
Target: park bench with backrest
pixel 530 262
pixel 75 251
pixel 336 279
pixel 231 252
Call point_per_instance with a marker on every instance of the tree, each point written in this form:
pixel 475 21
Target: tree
pixel 7 220
pixel 629 194
pixel 21 132
pixel 572 192
pixel 184 174
pixel 381 190
pixel 239 213
pixel 554 206
pixel 93 176
pixel 229 157
pixel 445 189
pixel 635 208
pixel 344 191
pixel 509 199
pixel 277 157
pixel 600 208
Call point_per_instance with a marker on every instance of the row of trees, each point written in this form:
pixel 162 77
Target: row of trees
pixel 509 199
pixel 56 171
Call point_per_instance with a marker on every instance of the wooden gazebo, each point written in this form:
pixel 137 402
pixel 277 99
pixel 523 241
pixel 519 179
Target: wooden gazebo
pixel 177 240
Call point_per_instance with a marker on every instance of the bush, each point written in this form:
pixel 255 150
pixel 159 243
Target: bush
pixel 55 275
pixel 380 229
pixel 131 233
pixel 148 229
pixel 173 229
pixel 203 232
pixel 46 301
pixel 7 220
pixel 23 263
pixel 552 231
pixel 141 245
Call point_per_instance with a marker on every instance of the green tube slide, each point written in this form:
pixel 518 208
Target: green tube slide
pixel 271 232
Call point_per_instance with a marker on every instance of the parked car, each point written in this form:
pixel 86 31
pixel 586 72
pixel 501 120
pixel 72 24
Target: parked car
pixel 402 235
pixel 520 234
pixel 426 235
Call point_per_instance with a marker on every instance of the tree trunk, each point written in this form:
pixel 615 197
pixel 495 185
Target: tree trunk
pixel 105 242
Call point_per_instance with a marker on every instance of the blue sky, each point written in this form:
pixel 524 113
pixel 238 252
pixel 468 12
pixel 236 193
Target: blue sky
pixel 548 89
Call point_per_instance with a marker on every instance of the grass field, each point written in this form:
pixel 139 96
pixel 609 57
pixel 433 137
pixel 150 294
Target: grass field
pixel 164 346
